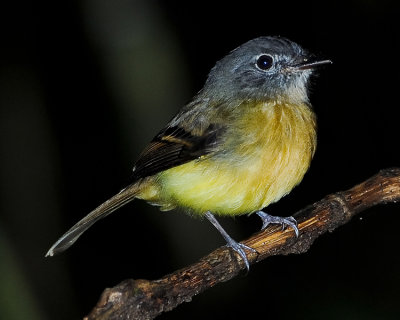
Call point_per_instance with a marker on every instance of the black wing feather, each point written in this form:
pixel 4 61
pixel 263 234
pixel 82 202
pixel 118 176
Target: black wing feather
pixel 172 147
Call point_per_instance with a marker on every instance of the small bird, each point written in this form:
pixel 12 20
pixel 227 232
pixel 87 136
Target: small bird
pixel 243 142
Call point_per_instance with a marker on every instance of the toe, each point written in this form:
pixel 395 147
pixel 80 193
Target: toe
pixel 240 248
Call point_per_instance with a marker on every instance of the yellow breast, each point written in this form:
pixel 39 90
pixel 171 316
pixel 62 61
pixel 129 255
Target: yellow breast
pixel 265 155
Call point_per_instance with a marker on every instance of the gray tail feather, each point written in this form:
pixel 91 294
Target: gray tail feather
pixel 117 201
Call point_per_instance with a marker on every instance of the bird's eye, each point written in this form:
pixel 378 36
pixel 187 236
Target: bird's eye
pixel 264 62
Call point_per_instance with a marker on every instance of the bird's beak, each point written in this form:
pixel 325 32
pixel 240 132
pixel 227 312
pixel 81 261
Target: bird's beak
pixel 307 64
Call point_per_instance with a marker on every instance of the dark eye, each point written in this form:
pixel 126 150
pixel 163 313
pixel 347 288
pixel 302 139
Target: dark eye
pixel 264 62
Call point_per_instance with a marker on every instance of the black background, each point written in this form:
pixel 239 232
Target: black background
pixel 85 85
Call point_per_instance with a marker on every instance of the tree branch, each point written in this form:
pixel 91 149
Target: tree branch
pixel 144 299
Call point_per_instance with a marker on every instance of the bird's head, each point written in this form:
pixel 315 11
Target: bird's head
pixel 263 69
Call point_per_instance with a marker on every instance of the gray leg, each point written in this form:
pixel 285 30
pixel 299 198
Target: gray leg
pixel 236 246
pixel 267 219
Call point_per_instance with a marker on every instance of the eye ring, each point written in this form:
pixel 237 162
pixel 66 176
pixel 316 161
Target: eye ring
pixel 264 62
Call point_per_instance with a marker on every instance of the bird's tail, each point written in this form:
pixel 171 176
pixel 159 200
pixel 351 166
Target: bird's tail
pixel 117 201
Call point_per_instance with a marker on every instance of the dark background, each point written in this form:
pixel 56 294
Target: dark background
pixel 84 85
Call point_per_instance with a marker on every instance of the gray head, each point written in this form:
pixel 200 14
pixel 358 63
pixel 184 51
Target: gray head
pixel 265 68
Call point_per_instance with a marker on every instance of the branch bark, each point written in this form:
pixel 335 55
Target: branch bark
pixel 145 299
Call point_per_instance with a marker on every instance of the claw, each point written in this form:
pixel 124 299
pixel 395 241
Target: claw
pixel 268 219
pixel 239 249
pixel 236 246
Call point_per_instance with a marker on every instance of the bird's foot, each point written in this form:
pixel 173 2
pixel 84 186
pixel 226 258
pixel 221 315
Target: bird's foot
pixel 240 248
pixel 268 219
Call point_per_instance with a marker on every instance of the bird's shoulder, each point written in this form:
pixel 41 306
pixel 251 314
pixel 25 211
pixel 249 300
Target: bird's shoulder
pixel 195 131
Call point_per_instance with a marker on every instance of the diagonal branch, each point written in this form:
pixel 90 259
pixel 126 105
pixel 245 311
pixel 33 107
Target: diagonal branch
pixel 144 299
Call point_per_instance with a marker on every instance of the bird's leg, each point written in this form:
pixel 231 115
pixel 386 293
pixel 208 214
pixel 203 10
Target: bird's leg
pixel 267 219
pixel 236 246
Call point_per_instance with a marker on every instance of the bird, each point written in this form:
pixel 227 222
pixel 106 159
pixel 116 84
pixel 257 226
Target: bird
pixel 244 141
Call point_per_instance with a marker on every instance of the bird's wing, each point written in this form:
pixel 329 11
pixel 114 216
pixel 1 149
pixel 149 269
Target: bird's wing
pixel 174 146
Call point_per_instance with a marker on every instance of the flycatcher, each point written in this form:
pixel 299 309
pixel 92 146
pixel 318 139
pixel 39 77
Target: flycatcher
pixel 243 142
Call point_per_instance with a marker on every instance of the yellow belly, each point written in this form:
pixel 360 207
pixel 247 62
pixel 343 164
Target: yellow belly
pixel 266 155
